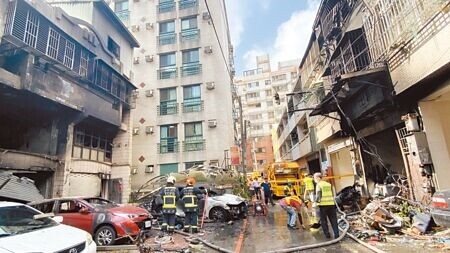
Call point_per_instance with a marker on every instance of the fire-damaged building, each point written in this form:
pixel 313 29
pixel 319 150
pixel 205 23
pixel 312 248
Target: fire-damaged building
pixel 370 104
pixel 65 85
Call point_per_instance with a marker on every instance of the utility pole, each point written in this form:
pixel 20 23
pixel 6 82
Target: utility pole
pixel 243 124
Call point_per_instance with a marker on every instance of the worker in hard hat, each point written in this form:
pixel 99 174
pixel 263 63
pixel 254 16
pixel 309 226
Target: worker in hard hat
pixel 189 197
pixel 170 195
pixel 324 199
pixel 288 189
pixel 292 205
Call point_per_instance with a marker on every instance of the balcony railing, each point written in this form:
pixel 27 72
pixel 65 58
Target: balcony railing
pixel 193 143
pixel 123 15
pixel 185 4
pixel 192 105
pixel 190 69
pixel 167 108
pixel 167 73
pixel 168 146
pixel 167 39
pixel 165 7
pixel 189 35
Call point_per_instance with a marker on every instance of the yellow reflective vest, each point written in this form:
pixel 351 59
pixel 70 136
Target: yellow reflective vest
pixel 309 184
pixel 169 198
pixel 327 198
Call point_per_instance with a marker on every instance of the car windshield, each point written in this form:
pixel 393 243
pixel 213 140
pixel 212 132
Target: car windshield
pixel 22 219
pixel 102 203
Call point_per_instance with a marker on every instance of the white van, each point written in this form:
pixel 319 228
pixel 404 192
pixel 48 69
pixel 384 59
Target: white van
pixel 25 229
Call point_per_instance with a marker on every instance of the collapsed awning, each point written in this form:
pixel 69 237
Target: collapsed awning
pixel 348 86
pixel 19 189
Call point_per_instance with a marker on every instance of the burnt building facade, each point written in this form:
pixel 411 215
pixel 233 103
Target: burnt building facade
pixel 65 92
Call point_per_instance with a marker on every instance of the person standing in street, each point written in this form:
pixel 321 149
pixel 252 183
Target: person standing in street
pixel 170 195
pixel 292 205
pixel 325 200
pixel 189 197
pixel 257 188
pixel 267 188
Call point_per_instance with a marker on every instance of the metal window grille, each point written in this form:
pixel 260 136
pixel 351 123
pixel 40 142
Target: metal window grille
pixel 84 60
pixel 10 17
pixel 53 43
pixel 31 29
pixel 68 54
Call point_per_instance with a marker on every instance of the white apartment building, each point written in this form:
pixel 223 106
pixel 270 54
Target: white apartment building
pixel 183 108
pixel 257 89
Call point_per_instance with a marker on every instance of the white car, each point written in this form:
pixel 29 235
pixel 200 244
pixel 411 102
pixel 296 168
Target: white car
pixel 25 229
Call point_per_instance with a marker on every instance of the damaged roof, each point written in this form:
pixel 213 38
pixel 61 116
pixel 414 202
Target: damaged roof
pixel 20 189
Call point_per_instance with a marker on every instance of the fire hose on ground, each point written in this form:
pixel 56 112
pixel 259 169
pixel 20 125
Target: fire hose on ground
pixel 299 248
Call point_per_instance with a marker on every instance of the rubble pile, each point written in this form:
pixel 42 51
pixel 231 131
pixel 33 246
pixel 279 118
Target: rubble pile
pixel 394 221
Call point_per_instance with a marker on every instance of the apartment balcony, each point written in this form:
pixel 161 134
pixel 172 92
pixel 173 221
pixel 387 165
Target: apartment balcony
pixel 167 108
pixel 192 105
pixel 164 7
pixel 189 35
pixel 167 39
pixel 188 7
pixel 191 69
pixel 194 143
pixel 168 146
pixel 167 73
pixel 124 16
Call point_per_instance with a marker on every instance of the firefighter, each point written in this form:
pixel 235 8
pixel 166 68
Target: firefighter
pixel 325 200
pixel 189 197
pixel 170 195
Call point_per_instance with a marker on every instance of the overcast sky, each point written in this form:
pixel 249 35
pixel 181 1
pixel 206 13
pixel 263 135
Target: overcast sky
pixel 280 28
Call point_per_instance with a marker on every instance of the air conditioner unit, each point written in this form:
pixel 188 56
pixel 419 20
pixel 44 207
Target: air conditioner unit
pixel 206 15
pixel 148 26
pixel 134 171
pixel 212 123
pixel 135 130
pixel 208 49
pixel 149 58
pixel 135 28
pixel 149 168
pixel 149 93
pixel 136 60
pixel 210 85
pixel 149 129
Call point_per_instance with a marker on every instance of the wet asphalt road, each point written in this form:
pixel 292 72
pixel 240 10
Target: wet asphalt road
pixel 267 233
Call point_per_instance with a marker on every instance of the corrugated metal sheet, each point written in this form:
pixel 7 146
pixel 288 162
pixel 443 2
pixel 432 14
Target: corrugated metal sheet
pixel 20 189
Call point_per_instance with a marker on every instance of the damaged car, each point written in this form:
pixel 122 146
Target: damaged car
pixel 107 221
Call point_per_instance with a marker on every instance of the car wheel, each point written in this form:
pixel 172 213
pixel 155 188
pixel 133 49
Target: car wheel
pixel 105 235
pixel 219 214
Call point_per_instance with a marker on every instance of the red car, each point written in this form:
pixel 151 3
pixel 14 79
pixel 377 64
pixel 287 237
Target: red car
pixel 105 220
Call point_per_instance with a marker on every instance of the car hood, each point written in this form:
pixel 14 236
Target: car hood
pixel 51 239
pixel 129 210
pixel 228 199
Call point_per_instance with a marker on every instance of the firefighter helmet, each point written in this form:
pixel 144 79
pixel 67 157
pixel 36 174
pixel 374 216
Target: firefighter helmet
pixel 171 179
pixel 190 181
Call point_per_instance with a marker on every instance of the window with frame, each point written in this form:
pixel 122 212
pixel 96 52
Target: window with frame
pixel 193 136
pixel 167 33
pixel 252 95
pixel 188 165
pixel 31 29
pixel 84 64
pixel 68 54
pixel 113 47
pixel 260 150
pixel 167 27
pixel 189 28
pixel 279 77
pixel 167 60
pixel 121 6
pixel 168 101
pixel 253 85
pixel 190 56
pixel 91 145
pixel 268 93
pixel 168 139
pixel 165 169
pixel 267 82
pixel 53 43
pixel 192 98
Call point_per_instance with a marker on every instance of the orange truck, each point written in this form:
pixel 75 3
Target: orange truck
pixel 281 174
